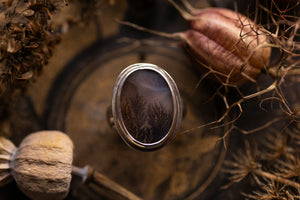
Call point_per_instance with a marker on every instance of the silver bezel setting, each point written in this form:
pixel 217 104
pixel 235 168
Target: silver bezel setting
pixel 116 107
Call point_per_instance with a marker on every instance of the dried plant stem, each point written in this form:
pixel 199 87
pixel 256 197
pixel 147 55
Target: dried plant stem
pixel 284 72
pixel 183 13
pixel 272 87
pixel 273 177
pixel 175 36
pixel 102 184
pixel 238 103
pixel 189 7
pixel 268 89
pixel 259 128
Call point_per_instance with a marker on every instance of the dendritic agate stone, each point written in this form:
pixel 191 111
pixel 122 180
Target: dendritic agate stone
pixel 146 106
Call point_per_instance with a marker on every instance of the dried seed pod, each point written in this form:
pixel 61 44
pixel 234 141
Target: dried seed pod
pixel 231 46
pixel 228 43
pixel 42 168
pixel 42 165
pixel 7 149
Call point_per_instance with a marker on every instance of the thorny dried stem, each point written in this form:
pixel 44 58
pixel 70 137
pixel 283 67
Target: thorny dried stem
pixel 277 161
pixel 282 70
pixel 267 175
pixel 273 190
pixel 282 29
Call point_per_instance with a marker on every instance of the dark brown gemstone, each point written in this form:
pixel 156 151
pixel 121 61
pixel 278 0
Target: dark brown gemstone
pixel 147 106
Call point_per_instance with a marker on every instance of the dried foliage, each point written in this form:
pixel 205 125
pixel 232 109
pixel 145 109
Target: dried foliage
pixel 26 43
pixel 273 191
pixel 273 167
pixel 280 24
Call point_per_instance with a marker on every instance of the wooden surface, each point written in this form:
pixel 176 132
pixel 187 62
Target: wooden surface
pixel 73 97
pixel 78 102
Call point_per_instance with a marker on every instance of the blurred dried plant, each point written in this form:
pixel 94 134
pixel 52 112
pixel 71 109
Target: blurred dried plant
pixel 271 165
pixel 26 43
pixel 29 31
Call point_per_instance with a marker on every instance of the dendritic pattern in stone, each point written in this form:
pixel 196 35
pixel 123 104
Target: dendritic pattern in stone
pixel 147 106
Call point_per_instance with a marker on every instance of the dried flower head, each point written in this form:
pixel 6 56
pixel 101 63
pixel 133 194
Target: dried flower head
pixel 275 175
pixel 272 191
pixel 26 43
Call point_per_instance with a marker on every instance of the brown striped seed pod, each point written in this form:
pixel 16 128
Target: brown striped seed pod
pixel 229 43
pixel 42 168
pixel 42 165
pixel 7 149
pixel 225 43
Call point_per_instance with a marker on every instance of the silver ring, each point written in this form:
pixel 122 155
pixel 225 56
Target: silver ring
pixel 146 106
